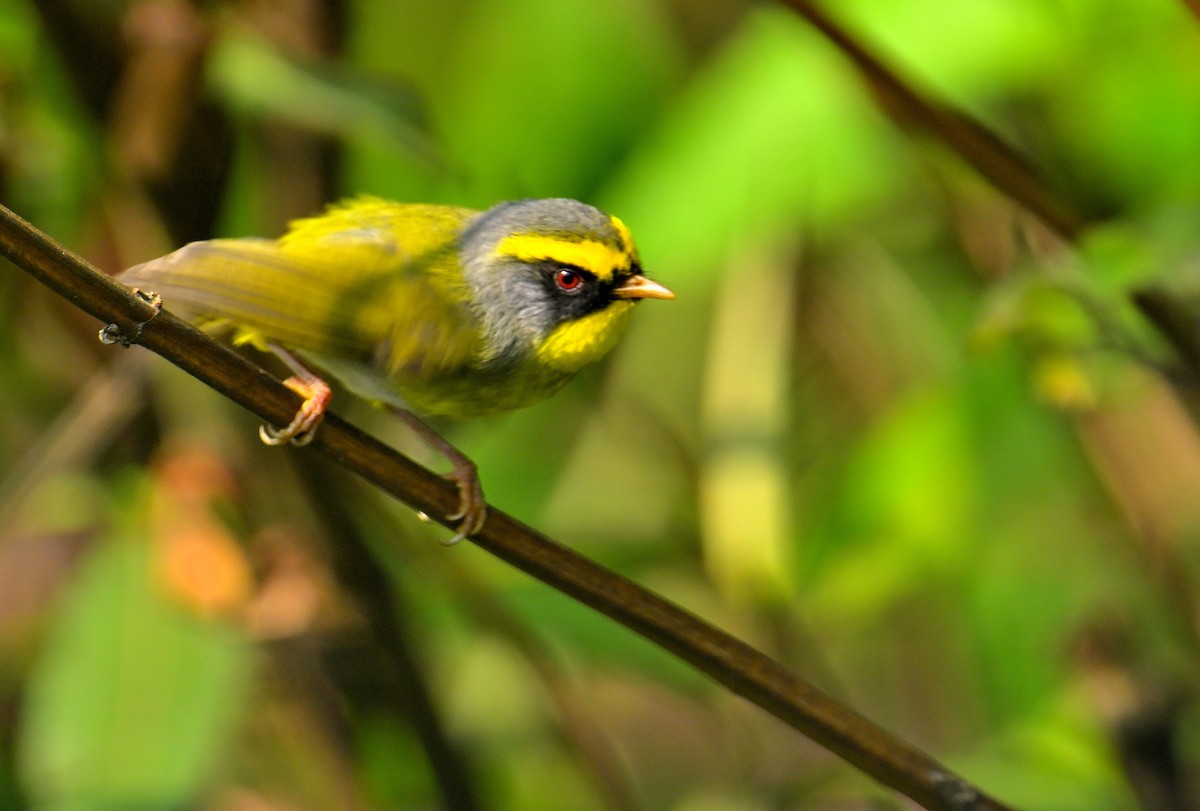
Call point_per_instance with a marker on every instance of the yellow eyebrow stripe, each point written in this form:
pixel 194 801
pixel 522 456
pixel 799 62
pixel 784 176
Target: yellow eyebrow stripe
pixel 597 257
pixel 623 235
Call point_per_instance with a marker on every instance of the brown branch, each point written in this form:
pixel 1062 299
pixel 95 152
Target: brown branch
pixel 724 658
pixel 1178 323
pixel 1193 6
pixel 1001 166
pixel 997 162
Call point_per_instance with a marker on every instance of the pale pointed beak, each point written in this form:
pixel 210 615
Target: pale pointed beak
pixel 638 286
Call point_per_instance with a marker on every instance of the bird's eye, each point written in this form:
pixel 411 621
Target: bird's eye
pixel 568 281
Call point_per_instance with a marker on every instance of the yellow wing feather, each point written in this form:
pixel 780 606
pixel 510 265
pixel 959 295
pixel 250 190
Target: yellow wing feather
pixel 367 281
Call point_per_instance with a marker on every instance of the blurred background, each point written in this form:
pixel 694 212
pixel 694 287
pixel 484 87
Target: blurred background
pixel 894 430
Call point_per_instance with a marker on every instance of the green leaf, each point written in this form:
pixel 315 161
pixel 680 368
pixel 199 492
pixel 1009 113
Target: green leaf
pixel 256 79
pixel 133 700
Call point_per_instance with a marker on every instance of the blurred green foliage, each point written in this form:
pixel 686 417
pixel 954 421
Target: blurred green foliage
pixel 892 430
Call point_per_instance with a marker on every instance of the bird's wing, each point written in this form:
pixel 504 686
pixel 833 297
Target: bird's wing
pixel 370 282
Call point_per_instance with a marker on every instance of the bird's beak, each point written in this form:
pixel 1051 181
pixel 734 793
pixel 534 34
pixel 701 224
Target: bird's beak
pixel 638 286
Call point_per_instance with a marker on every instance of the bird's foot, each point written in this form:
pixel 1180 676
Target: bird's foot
pixel 303 427
pixel 472 506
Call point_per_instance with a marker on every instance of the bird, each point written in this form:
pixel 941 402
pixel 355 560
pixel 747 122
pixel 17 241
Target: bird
pixel 431 311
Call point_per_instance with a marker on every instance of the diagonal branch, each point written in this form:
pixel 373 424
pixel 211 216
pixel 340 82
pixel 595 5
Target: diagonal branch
pixel 1175 320
pixel 1193 6
pixel 997 162
pixel 729 661
pixel 1003 167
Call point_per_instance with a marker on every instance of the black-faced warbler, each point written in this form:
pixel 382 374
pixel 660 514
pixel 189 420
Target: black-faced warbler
pixel 427 309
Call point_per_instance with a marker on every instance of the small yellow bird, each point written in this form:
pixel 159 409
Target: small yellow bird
pixel 426 309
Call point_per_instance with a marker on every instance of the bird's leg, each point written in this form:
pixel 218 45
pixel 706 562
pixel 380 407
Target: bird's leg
pixel 316 394
pixel 472 506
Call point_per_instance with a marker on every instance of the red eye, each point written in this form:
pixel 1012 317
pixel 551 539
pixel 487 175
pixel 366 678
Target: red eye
pixel 569 281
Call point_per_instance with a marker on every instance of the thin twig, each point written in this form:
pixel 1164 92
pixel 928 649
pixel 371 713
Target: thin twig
pixel 997 162
pixel 724 658
pixel 1001 166
pixel 1178 323
pixel 1193 6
